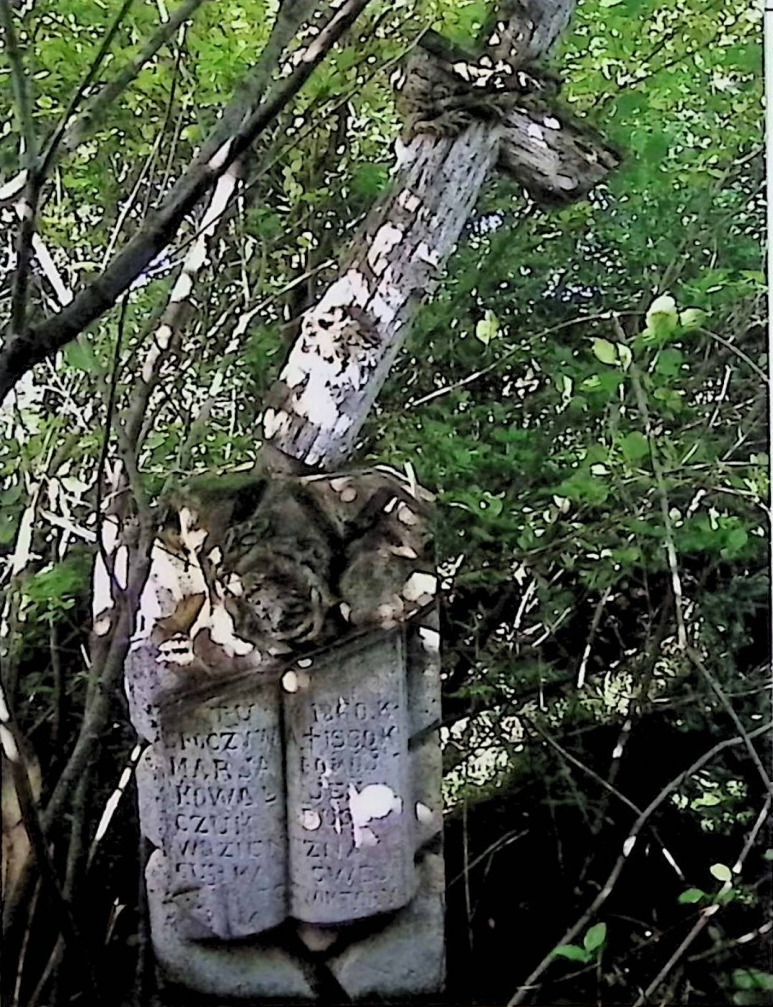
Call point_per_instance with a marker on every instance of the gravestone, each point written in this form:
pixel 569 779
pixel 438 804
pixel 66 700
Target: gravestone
pixel 285 674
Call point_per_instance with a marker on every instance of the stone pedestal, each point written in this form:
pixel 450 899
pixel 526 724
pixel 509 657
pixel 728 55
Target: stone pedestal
pixel 291 783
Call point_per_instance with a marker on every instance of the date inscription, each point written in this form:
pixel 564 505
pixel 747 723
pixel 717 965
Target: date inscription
pixel 349 821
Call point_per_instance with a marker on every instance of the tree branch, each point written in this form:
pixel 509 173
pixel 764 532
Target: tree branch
pixel 59 132
pixel 709 910
pixel 28 202
pixel 10 737
pixel 628 845
pixel 77 131
pixel 20 84
pixel 23 351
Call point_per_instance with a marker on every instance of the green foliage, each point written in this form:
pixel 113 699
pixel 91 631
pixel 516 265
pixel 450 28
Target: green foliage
pixel 751 987
pixel 585 394
pixel 592 946
pixel 691 896
pixel 58 587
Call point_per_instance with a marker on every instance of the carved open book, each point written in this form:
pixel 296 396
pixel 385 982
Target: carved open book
pixel 295 801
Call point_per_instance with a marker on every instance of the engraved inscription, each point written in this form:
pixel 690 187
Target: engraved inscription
pixel 225 811
pixel 349 822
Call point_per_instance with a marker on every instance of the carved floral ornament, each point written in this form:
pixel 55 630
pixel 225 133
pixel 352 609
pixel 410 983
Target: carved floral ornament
pixel 247 575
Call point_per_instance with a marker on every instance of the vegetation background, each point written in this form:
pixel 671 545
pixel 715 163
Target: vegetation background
pixel 588 398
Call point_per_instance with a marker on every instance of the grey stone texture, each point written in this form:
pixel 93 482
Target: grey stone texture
pixel 225 819
pixel 248 971
pixel 351 824
pixel 293 792
pixel 407 958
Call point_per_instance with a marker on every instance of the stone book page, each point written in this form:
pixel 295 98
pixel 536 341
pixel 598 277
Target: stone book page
pixel 225 807
pixel 350 813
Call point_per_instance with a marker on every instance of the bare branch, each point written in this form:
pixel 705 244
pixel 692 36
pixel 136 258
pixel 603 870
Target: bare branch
pixel 28 202
pixel 608 886
pixel 695 657
pixel 709 910
pixel 96 105
pixel 10 738
pixel 167 331
pixel 23 351
pixel 78 129
pixel 20 83
pixel 657 468
pixel 610 789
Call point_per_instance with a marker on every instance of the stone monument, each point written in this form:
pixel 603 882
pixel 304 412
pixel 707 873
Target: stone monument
pixel 285 674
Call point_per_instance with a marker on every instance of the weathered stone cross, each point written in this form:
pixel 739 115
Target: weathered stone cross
pixel 284 669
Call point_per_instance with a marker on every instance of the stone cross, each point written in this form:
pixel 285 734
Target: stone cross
pixel 468 116
pixel 285 668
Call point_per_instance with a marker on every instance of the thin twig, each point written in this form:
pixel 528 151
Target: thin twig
pixel 10 737
pixel 78 129
pixel 21 88
pixel 628 845
pixel 610 789
pixel 111 656
pixel 673 563
pixel 25 945
pixel 28 203
pixel 57 136
pixel 708 911
pixel 21 352
pixel 53 960
pixel 602 316
pixel 113 802
pixel 110 408
pixel 727 706
pixel 721 946
pixel 591 635
pixel 643 687
pixel 740 354
pixel 495 847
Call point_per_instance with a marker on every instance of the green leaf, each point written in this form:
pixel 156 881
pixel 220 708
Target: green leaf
pixel 80 356
pixel 662 316
pixel 369 179
pixel 736 540
pixel 605 351
pixel 595 937
pixel 487 328
pixel 573 953
pixel 656 148
pixel 742 979
pixel 721 872
pixel 691 896
pixel 629 104
pixel 692 318
pixel 752 979
pixel 669 362
pixel 8 523
pixel 768 855
pixel 634 446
